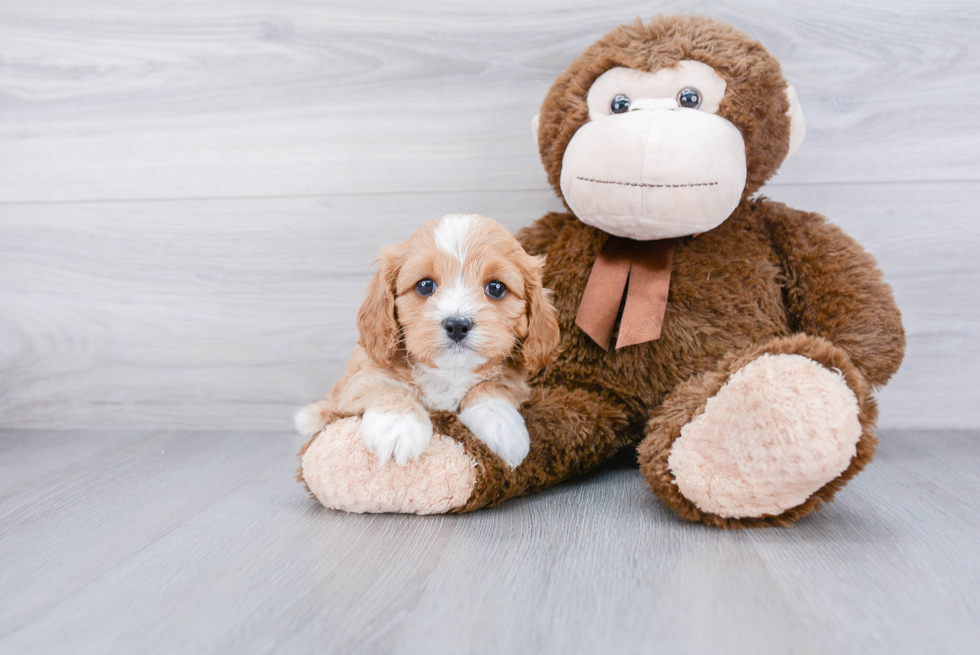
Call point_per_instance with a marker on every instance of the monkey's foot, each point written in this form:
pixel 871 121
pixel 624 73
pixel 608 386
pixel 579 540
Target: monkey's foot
pixel 781 427
pixel 765 443
pixel 343 474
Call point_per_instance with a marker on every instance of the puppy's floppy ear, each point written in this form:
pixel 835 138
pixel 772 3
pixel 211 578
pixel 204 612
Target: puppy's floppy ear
pixel 543 334
pixel 376 320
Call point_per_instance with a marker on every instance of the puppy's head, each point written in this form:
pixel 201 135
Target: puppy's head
pixel 459 293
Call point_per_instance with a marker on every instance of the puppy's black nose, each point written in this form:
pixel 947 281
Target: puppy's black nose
pixel 457 327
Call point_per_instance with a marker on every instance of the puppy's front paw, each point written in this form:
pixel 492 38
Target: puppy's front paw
pixel 495 422
pixel 389 433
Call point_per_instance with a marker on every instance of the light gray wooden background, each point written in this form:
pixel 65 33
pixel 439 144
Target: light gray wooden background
pixel 191 193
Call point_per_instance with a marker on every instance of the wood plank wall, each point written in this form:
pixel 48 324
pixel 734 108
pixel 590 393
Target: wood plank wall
pixel 191 193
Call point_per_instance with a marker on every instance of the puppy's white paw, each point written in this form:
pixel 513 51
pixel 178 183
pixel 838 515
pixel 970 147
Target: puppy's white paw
pixel 495 422
pixel 309 420
pixel 388 433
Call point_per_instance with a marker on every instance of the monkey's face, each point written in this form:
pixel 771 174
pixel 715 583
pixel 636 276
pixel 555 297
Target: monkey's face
pixel 659 130
pixel 655 160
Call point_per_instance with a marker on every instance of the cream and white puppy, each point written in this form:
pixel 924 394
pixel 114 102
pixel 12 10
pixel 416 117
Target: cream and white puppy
pixel 456 318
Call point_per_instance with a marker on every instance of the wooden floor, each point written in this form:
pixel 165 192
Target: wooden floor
pixel 177 541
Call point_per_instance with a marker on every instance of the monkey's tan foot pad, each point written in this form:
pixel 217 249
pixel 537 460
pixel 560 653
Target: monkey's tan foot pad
pixel 781 428
pixel 345 475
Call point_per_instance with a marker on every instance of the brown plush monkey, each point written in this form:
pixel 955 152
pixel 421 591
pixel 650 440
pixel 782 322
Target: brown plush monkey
pixel 734 341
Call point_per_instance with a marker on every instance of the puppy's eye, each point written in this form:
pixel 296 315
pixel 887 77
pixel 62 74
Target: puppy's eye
pixel 496 289
pixel 425 287
pixel 689 98
pixel 620 104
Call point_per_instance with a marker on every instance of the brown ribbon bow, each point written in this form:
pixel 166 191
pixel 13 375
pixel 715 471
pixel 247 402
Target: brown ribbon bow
pixel 645 266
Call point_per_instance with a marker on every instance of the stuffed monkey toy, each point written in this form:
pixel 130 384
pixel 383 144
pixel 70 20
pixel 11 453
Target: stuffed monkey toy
pixel 732 341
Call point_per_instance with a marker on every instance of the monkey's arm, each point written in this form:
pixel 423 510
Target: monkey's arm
pixel 834 289
pixel 572 432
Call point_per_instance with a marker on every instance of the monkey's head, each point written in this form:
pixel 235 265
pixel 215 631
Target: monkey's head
pixel 659 130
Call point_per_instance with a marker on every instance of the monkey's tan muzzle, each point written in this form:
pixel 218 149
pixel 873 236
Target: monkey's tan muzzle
pixel 655 172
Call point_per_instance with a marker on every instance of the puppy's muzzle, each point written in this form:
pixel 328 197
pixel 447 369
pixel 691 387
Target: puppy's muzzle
pixel 457 327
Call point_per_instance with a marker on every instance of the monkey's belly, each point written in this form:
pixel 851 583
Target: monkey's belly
pixel 725 296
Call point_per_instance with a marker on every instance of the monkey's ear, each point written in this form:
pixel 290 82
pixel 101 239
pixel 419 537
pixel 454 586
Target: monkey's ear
pixel 376 320
pixel 797 126
pixel 534 126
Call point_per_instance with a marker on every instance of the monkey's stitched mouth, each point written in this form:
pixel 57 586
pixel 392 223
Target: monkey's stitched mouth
pixel 654 186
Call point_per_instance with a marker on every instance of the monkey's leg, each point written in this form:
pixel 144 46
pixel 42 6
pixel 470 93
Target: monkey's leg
pixel 572 431
pixel 765 439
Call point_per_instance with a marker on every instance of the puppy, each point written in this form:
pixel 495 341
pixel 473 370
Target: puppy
pixel 455 319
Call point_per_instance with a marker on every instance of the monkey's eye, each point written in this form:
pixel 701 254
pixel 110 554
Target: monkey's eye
pixel 425 287
pixel 690 98
pixel 620 104
pixel 496 289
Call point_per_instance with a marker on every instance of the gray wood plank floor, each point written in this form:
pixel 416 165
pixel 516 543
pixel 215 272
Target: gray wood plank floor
pixel 180 541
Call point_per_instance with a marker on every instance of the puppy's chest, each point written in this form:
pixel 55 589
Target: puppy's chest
pixel 443 388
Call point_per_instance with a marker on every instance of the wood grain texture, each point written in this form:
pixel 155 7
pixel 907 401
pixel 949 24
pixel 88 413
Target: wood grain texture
pixel 191 193
pixel 177 99
pixel 181 541
pixel 232 313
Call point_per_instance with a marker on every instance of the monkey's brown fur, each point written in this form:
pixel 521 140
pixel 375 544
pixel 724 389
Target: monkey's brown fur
pixel 770 279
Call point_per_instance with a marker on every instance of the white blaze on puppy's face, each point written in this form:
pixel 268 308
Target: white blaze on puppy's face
pixel 452 232
pixel 456 298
